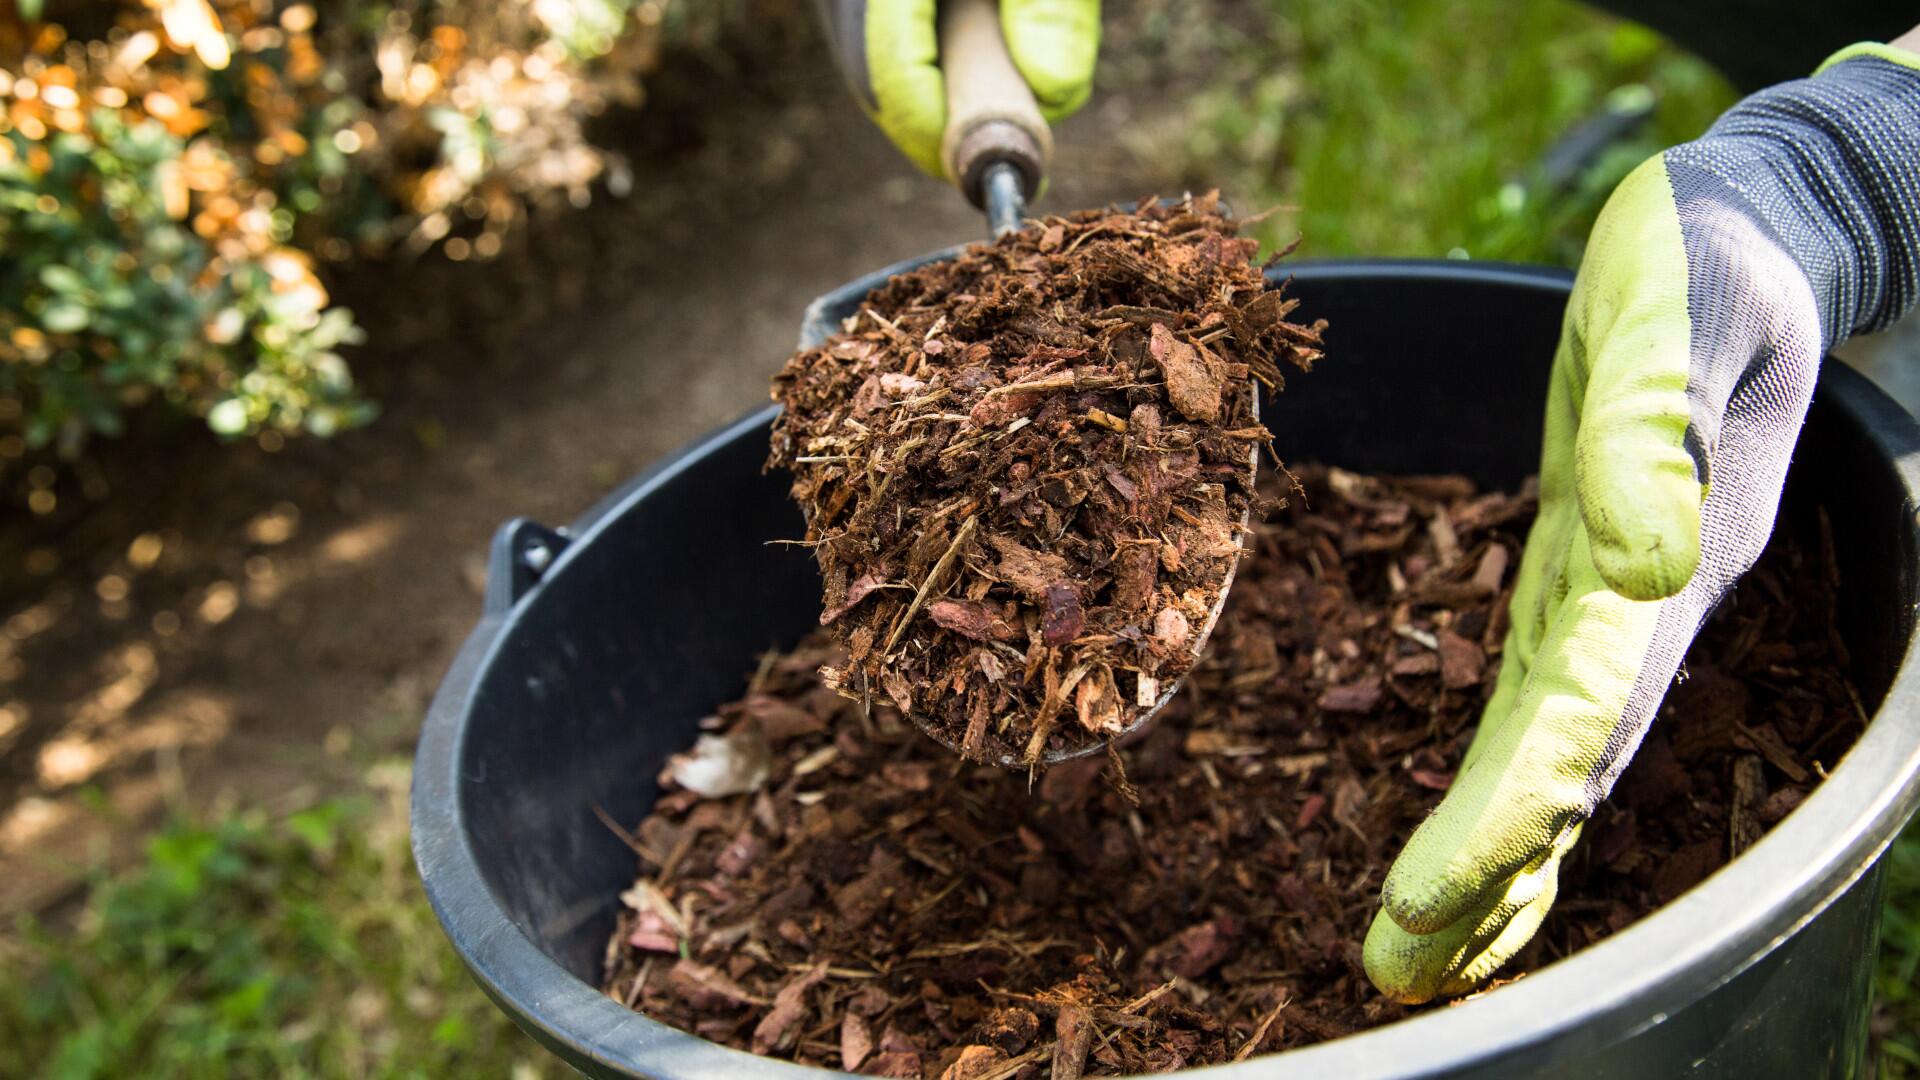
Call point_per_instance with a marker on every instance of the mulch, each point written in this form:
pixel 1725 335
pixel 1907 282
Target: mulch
pixel 1025 471
pixel 867 900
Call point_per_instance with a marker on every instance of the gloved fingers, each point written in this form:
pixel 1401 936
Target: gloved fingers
pixel 1519 929
pixel 1054 44
pixel 1542 769
pixel 1639 466
pixel 1506 690
pixel 903 72
pixel 1414 968
pixel 1540 579
pixel 1543 559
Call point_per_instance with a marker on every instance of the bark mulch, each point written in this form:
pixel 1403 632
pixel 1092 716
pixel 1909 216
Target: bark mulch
pixel 1025 471
pixel 1199 894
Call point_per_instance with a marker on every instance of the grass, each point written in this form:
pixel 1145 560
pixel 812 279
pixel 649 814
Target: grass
pixel 247 946
pixel 302 946
pixel 1897 981
pixel 1414 128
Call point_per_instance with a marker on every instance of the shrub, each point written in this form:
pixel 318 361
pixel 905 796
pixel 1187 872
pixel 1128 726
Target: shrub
pixel 173 174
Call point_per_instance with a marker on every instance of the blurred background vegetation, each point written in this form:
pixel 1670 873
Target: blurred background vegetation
pixel 1401 129
pixel 249 945
pixel 185 185
pixel 173 173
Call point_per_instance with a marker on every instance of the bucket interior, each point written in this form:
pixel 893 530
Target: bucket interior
pixel 659 612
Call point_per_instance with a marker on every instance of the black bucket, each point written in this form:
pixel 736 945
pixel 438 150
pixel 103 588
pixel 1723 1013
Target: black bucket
pixel 603 644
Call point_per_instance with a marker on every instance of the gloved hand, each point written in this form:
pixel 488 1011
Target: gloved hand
pixel 1718 275
pixel 890 53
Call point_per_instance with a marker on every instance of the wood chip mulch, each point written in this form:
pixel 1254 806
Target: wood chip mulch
pixel 1025 471
pixel 876 904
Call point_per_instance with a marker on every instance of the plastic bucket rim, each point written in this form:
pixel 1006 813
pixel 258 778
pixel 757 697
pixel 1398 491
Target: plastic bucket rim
pixel 1631 980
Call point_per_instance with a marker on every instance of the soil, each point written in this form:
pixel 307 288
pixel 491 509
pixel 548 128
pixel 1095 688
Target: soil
pixel 1025 471
pixel 1200 894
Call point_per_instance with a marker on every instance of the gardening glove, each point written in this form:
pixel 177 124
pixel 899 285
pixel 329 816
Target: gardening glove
pixel 890 53
pixel 1717 276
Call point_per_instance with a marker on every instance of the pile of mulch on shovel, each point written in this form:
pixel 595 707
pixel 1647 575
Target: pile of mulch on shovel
pixel 879 905
pixel 1025 470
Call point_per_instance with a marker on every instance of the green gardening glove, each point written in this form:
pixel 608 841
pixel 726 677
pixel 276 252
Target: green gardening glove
pixel 890 53
pixel 1718 275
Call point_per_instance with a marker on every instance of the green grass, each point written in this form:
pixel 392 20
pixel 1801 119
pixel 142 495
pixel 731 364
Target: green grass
pixel 249 946
pixel 1897 982
pixel 1413 128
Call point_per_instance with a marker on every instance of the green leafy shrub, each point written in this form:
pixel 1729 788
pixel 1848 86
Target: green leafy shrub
pixel 107 301
pixel 172 179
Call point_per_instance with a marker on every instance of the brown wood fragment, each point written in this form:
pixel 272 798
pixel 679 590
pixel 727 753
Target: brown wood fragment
pixel 1766 740
pixel 1097 703
pixel 1749 794
pixel 1117 774
pixel 1062 618
pixel 1252 1045
pixel 972 744
pixel 934 578
pixel 1073 1034
pixel 1491 571
pixel 856 1041
pixel 1356 697
pixel 1171 630
pixel 789 1007
pixel 1202 742
pixel 1446 543
pixel 1461 661
pixel 975 1063
pixel 899 1056
pixel 1194 380
pixel 1196 950
pixel 1050 707
pixel 973 619
pixel 703 986
pixel 1027 570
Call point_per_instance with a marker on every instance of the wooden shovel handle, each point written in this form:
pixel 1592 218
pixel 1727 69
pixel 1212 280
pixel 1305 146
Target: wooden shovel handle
pixel 991 114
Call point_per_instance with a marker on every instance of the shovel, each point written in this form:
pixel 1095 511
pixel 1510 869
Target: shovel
pixel 996 149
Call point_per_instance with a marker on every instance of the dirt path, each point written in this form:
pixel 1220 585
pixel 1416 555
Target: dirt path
pixel 239 625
